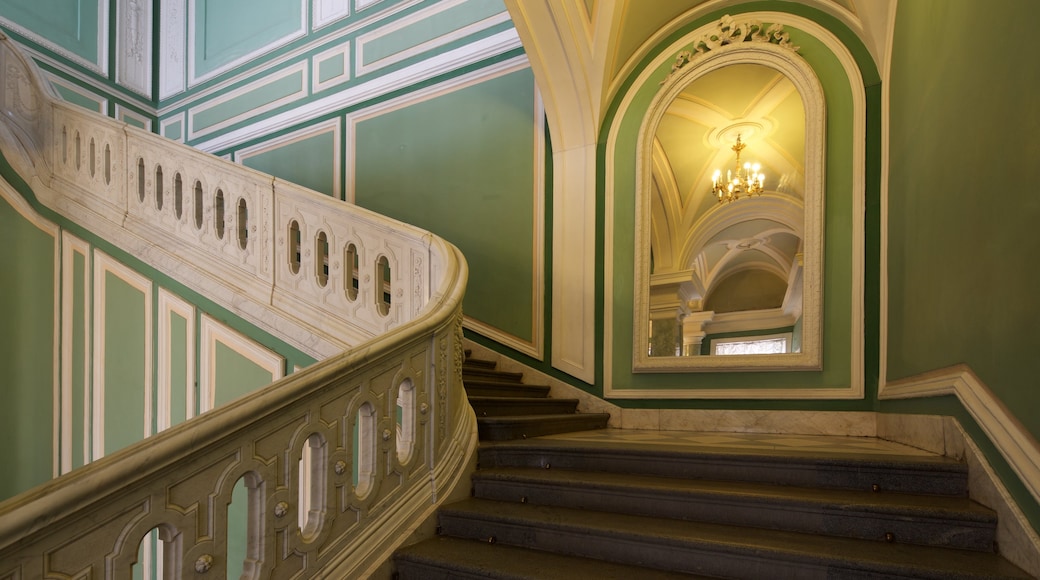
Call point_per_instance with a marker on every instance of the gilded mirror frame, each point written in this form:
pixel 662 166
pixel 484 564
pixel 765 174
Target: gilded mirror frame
pixel 786 61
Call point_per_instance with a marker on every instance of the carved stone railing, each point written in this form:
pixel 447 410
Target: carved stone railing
pixel 363 443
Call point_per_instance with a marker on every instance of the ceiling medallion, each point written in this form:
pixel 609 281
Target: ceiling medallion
pixel 730 31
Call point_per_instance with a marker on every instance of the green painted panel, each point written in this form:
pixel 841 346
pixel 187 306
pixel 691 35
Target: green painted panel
pixel 72 25
pixel 435 26
pixel 174 131
pixel 178 368
pixel 837 319
pixel 79 356
pixel 331 68
pixel 236 375
pixel 248 101
pixel 226 30
pixel 308 162
pixel 963 212
pixel 462 166
pixel 124 363
pixel 70 96
pixel 26 352
pixel 133 121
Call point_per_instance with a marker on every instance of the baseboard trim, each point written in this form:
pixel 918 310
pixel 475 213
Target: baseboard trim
pixel 1015 444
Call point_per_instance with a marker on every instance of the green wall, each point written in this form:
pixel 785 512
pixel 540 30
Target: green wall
pixel 462 166
pixel 27 309
pixel 963 206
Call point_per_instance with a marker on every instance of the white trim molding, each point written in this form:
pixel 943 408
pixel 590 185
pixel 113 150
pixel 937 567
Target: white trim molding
pixel 71 245
pixel 210 333
pixel 171 305
pixel 104 264
pixel 1015 444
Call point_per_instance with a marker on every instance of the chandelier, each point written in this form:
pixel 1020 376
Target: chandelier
pixel 744 180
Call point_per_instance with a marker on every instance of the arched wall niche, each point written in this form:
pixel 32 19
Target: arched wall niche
pixel 840 69
pixel 687 278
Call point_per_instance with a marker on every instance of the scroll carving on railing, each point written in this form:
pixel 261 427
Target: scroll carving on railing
pixel 333 460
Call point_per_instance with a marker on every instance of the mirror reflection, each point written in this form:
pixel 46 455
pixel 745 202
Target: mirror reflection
pixel 727 219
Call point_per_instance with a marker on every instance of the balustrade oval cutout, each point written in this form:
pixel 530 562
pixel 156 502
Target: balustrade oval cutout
pixel 383 296
pixel 312 486
pixel 364 450
pixel 198 205
pixel 218 214
pixel 406 420
pixel 294 247
pixel 79 153
pixel 92 169
pixel 178 195
pixel 158 187
pixel 65 145
pixel 321 253
pixel 350 280
pixel 140 179
pixel 108 164
pixel 243 223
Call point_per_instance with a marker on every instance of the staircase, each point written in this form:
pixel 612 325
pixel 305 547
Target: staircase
pixel 646 505
pixel 506 408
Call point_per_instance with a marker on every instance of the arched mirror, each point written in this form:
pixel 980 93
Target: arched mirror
pixel 730 215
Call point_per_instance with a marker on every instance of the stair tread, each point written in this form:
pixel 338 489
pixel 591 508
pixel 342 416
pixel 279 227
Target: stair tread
pixel 814 550
pixel 838 499
pixel 524 400
pixel 458 558
pixel 582 448
pixel 541 418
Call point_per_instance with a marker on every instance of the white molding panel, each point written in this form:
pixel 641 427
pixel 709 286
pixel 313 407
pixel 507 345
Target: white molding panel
pixel 25 210
pixel 171 305
pixel 210 333
pixel 105 264
pixel 123 114
pixel 316 61
pixel 330 126
pixel 298 68
pixel 173 41
pixel 381 85
pixel 102 102
pixel 362 69
pixel 1015 444
pixel 167 122
pixel 100 66
pixel 70 246
pixel 193 41
pixel 325 12
pixel 134 45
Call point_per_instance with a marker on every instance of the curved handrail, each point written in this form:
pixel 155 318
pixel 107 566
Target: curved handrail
pixel 390 342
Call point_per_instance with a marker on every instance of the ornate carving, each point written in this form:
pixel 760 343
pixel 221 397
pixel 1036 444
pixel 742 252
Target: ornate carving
pixel 728 30
pixel 204 564
pixel 280 509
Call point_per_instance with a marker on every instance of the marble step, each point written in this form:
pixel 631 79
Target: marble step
pixel 512 406
pixel 444 558
pixel 708 549
pixel 486 374
pixel 487 388
pixel 526 426
pixel 805 468
pixel 944 521
pixel 478 363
